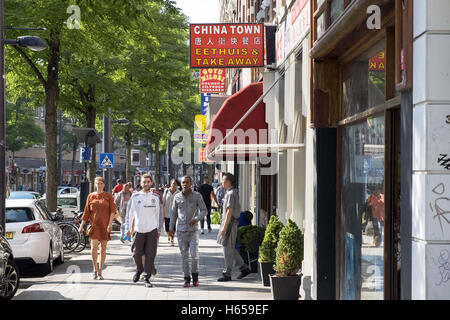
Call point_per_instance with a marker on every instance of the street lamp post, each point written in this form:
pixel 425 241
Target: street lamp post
pixel 35 44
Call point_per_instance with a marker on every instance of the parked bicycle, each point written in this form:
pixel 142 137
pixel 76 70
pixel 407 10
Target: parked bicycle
pixel 84 240
pixel 70 236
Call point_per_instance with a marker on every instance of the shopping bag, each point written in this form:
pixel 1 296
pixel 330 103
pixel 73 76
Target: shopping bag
pixel 124 232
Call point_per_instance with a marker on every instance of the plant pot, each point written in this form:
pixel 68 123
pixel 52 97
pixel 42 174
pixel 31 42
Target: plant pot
pixel 266 269
pixel 285 288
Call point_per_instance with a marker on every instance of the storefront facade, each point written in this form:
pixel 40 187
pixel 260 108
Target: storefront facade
pixel 359 83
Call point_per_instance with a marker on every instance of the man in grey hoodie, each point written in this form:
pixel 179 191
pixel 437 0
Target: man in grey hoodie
pixel 188 208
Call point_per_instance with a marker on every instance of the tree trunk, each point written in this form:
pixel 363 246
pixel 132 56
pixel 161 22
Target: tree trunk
pixel 128 172
pixel 157 163
pixel 92 167
pixel 51 130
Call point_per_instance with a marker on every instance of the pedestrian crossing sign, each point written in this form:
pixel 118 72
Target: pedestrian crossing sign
pixel 106 160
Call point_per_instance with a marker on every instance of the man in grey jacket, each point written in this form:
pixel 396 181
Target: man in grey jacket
pixel 188 208
pixel 228 230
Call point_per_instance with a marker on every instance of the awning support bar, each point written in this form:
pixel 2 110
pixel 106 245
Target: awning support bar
pixel 249 111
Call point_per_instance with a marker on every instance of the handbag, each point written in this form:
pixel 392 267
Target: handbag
pixel 89 231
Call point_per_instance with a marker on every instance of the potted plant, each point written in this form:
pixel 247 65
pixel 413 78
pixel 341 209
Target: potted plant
pixel 267 252
pixel 250 238
pixel 285 284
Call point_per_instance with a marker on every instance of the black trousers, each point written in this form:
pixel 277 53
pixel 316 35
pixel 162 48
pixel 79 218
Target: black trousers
pixel 145 244
pixel 208 218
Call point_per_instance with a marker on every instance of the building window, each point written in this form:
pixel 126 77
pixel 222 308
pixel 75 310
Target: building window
pixel 325 13
pixel 362 205
pixel 337 8
pixel 364 81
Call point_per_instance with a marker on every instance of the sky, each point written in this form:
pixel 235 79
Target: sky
pixel 200 11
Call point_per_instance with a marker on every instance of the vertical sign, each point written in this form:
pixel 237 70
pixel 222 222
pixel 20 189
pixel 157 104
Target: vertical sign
pixel 204 100
pixel 135 158
pixel 292 30
pixel 212 80
pixel 200 135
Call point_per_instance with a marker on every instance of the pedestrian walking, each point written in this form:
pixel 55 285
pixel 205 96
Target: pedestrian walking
pixel 188 209
pixel 118 187
pixel 207 191
pixel 169 195
pixel 144 221
pixel 99 211
pixel 228 230
pixel 121 202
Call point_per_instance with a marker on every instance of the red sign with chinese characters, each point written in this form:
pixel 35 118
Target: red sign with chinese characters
pixel 212 80
pixel 227 45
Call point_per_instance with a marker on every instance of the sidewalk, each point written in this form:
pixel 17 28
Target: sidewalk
pixel 62 284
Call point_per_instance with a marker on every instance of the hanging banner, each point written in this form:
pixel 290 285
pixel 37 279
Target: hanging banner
pixel 202 155
pixel 292 30
pixel 212 80
pixel 204 102
pixel 200 134
pixel 227 45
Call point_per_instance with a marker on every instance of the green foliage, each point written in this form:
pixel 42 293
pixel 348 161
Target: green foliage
pixel 251 237
pixel 22 131
pixel 289 252
pixel 215 218
pixel 267 250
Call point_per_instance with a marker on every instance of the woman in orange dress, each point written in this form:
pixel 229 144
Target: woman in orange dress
pixel 99 211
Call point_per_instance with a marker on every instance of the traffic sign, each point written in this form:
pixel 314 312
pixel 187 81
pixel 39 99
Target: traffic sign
pixel 85 154
pixel 106 160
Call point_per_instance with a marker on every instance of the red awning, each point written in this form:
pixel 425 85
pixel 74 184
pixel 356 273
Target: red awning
pixel 251 131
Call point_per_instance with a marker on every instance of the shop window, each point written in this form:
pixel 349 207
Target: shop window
pixel 321 25
pixel 362 204
pixel 325 12
pixel 364 82
pixel 337 8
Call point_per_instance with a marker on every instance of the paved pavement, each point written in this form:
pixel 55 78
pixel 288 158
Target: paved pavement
pixel 73 279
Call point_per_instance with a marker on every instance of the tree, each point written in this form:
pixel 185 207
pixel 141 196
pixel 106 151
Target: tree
pixel 22 131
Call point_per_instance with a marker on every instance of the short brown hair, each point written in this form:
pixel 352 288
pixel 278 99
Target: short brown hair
pixel 147 176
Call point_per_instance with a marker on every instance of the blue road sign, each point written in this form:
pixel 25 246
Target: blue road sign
pixel 85 154
pixel 106 160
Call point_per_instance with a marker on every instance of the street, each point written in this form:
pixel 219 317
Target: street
pixel 63 284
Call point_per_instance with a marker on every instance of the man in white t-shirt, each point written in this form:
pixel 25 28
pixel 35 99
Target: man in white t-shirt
pixel 144 221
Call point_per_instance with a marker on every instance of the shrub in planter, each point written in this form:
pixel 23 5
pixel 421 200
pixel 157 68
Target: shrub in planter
pixel 267 252
pixel 289 256
pixel 250 238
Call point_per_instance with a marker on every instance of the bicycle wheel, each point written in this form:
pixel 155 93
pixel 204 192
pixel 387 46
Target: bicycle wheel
pixel 70 235
pixel 82 245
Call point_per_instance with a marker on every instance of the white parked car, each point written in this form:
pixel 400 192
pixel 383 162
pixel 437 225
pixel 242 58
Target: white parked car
pixel 66 190
pixel 32 234
pixel 69 204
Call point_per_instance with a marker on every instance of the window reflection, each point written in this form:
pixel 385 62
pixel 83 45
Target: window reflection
pixel 364 83
pixel 363 209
